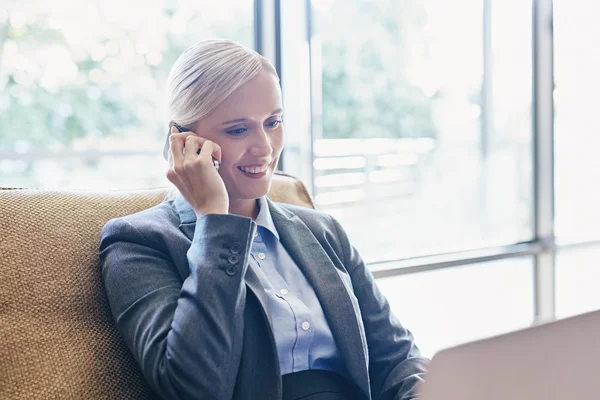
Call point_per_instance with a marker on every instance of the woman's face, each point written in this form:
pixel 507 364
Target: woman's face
pixel 248 127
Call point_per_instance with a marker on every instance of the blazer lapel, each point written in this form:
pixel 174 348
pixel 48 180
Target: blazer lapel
pixel 259 291
pixel 316 265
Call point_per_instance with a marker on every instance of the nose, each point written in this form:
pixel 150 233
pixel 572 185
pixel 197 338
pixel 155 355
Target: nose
pixel 261 144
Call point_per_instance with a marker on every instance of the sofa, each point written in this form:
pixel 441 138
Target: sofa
pixel 57 336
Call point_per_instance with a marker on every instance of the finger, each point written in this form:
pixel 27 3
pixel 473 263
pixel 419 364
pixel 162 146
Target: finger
pixel 193 145
pixel 182 137
pixel 216 152
pixel 170 152
pixel 216 149
pixel 177 148
pixel 207 151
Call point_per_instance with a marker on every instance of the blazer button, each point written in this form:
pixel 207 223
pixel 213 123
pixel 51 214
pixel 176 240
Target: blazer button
pixel 233 259
pixel 231 271
pixel 236 248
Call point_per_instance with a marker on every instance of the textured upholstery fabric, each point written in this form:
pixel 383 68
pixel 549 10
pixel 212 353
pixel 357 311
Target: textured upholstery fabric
pixel 57 336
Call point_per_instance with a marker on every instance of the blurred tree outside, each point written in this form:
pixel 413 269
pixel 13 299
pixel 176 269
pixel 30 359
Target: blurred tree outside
pixel 80 76
pixel 367 90
pixel 75 72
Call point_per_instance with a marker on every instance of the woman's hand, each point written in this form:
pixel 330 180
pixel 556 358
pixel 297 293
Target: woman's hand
pixel 195 175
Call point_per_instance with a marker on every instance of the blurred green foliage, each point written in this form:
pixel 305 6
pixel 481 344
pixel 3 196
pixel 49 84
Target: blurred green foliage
pixel 365 92
pixel 113 94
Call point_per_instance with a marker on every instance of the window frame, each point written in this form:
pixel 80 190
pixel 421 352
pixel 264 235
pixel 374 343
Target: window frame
pixel 543 247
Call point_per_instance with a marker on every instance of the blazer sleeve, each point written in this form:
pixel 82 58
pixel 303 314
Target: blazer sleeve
pixel 185 335
pixel 396 367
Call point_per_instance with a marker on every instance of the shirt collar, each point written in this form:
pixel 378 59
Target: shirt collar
pixel 184 210
pixel 187 214
pixel 264 217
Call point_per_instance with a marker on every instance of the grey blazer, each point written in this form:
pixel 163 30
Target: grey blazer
pixel 196 318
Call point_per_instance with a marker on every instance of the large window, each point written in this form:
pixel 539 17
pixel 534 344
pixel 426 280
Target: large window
pixel 426 124
pixel 577 277
pixel 451 306
pixel 82 85
pixel 577 62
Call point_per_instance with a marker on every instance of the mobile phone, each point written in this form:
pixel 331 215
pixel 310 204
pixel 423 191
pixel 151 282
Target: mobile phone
pixel 167 146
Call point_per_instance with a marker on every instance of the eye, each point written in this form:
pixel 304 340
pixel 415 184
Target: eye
pixel 237 131
pixel 275 123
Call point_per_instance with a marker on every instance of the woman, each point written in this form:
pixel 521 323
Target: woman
pixel 221 293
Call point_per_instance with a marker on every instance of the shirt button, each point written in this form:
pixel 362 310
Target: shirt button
pixel 234 259
pixel 305 326
pixel 283 291
pixel 262 256
pixel 255 234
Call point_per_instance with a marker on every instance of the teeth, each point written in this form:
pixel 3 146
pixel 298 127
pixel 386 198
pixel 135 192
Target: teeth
pixel 254 170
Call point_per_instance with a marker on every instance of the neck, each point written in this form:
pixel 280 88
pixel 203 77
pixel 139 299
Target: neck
pixel 244 207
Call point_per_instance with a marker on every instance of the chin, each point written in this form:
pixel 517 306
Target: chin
pixel 249 193
pixel 250 189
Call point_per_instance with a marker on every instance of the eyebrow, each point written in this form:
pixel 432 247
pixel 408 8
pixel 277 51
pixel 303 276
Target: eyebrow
pixel 233 121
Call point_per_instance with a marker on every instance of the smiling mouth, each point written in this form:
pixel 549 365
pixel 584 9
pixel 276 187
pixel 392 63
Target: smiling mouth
pixel 255 170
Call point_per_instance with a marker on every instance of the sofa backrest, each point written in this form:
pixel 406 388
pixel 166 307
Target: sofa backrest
pixel 57 336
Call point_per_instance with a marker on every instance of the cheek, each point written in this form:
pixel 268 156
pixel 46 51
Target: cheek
pixel 230 153
pixel 278 142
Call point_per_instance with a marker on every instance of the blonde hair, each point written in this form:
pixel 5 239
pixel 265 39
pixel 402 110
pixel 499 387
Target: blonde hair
pixel 204 75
